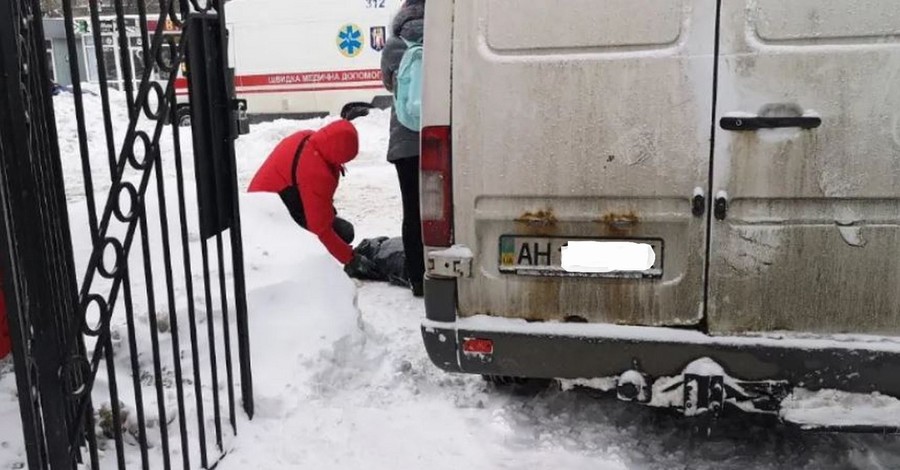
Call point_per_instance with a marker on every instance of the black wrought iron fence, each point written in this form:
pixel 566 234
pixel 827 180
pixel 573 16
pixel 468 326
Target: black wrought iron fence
pixel 127 297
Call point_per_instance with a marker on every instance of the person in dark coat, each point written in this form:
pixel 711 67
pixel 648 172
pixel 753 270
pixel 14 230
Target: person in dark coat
pixel 304 169
pixel 403 147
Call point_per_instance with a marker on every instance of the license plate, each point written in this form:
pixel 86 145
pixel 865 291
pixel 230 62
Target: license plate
pixel 543 256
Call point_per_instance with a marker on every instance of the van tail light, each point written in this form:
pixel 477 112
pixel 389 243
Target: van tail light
pixel 437 184
pixel 478 346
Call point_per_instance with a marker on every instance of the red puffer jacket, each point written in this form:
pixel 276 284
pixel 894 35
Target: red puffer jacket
pixel 326 151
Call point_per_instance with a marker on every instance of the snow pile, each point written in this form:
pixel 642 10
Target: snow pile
pixel 835 408
pixel 602 384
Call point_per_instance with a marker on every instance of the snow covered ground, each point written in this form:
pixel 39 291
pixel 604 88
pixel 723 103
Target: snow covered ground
pixel 342 380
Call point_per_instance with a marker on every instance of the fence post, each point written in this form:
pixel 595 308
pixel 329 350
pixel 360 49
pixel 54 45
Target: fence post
pixel 35 243
pixel 237 248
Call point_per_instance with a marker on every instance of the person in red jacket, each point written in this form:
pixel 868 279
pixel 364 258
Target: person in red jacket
pixel 304 169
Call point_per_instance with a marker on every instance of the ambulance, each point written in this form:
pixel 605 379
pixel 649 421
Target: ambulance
pixel 305 58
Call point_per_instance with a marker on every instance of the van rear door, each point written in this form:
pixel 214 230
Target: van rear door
pixel 811 237
pixel 582 120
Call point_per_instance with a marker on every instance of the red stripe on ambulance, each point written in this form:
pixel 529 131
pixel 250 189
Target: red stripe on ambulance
pixel 295 79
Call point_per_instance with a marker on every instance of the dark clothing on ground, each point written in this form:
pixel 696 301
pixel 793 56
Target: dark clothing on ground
pixel 388 258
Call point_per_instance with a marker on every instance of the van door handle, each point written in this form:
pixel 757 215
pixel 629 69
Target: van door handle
pixel 755 123
pixel 720 205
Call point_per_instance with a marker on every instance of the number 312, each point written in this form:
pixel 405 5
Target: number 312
pixel 375 3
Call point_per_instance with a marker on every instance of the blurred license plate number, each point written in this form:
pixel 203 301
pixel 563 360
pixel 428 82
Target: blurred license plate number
pixel 537 256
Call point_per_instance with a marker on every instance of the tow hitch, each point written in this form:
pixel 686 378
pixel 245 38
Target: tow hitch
pixel 703 393
pixel 710 393
pixel 702 388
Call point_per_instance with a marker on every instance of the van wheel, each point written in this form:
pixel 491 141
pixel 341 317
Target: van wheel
pixel 183 117
pixel 518 385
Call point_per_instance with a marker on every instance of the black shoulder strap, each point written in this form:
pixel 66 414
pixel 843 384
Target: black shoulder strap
pixel 296 162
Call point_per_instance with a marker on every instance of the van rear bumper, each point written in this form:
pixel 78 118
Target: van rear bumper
pixel 583 351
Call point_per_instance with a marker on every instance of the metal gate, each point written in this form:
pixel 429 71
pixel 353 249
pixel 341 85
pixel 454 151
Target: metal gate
pixel 122 261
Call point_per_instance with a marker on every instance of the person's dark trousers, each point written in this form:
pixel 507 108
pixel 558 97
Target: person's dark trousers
pixel 294 205
pixel 408 174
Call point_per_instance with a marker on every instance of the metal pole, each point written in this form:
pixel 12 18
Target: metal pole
pixel 237 247
pixel 36 259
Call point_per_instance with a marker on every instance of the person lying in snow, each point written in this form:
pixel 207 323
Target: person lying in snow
pixel 304 169
pixel 389 259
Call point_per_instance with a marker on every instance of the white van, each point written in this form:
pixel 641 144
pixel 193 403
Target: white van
pixel 305 58
pixel 751 148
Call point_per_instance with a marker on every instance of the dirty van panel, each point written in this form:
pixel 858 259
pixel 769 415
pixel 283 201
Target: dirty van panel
pixel 817 20
pixel 592 27
pixel 811 237
pixel 569 125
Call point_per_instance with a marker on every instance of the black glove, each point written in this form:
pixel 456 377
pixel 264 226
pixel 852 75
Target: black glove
pixel 361 267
